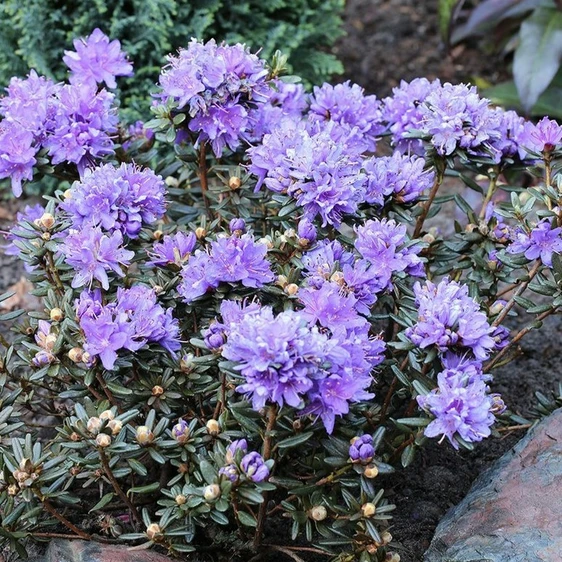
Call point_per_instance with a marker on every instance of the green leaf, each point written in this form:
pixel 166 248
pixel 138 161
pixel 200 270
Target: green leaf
pixel 446 9
pixel 537 58
pixel 246 519
pixel 103 502
pixel 207 471
pixel 251 495
pixel 295 441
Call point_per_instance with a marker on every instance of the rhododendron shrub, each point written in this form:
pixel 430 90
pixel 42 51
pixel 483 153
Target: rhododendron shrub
pixel 251 310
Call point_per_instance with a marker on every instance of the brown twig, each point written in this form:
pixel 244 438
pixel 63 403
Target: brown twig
pixel 107 392
pixel 523 332
pixel 117 488
pixel 499 319
pixel 427 206
pixel 514 427
pixel 202 173
pixel 77 532
pixel 266 454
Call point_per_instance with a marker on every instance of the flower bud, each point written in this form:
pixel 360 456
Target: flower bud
pixel 497 307
pixel 152 531
pixel 181 432
pixel 157 234
pixel 368 509
pixel 20 476
pixel 144 436
pixel 361 449
pixel 212 492
pixel 157 390
pixel 75 436
pixel 428 238
pixel 107 415
pixel 47 220
pixel 386 537
pixel 180 499
pixel 171 181
pixel 267 241
pixel 281 281
pixel 291 289
pixel 86 358
pixel 56 314
pixel 50 340
pixel 42 358
pixel 115 426
pixel 200 232
pixel 75 470
pixel 93 425
pixel 237 225
pixel 318 513
pixel 67 194
pixel 392 557
pixel 234 182
pixel 371 471
pixel 13 490
pixel 213 427
pixel 103 440
pixel 183 468
pixel 46 236
pixel 306 232
pixel 186 363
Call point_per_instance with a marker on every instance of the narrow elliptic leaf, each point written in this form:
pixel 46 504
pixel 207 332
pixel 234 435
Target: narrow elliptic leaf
pixel 538 55
pixel 446 9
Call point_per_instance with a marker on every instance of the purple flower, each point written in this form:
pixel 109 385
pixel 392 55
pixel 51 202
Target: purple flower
pixel 215 336
pixel 122 198
pixel 307 232
pixel 323 175
pixel 217 85
pixel 232 450
pixel 460 408
pixel 455 116
pixel 399 177
pixel 97 60
pixel 361 449
pixel 173 250
pixel 237 225
pixel 384 244
pixel 230 259
pixel 324 260
pixel 402 111
pixel 541 242
pixel 82 126
pixel 348 105
pixel 92 254
pixel 254 467
pixel 17 154
pixel 449 319
pixel 130 322
pixel 542 137
pixel 43 358
pixel 330 307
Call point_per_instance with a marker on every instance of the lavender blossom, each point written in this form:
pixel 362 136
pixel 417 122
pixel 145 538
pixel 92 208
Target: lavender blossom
pixel 93 254
pixel 172 250
pixel 449 319
pixel 348 105
pixel 460 408
pixel 541 242
pixel 122 198
pixel 254 467
pixel 542 137
pixel 230 259
pixel 399 177
pixel 17 154
pixel 130 322
pixel 97 60
pixel 217 85
pixel 232 450
pixel 320 173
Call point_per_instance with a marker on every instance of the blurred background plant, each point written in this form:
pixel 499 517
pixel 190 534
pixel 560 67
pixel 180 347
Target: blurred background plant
pixel 35 34
pixel 526 32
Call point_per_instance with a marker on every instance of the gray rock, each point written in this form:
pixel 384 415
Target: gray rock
pixel 83 551
pixel 513 513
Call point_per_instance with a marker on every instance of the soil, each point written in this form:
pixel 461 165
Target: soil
pixel 388 41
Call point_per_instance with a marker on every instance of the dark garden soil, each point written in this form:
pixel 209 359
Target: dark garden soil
pixel 388 41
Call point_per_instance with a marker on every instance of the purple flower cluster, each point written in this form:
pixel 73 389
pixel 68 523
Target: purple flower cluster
pixel 92 254
pixel 73 122
pixel 132 321
pixel 383 243
pixel 172 250
pixel 349 107
pixel 461 405
pixel 283 359
pixel 218 85
pixel 230 259
pixel 240 461
pixel 97 60
pixel 399 177
pixel 543 137
pixel 122 198
pixel 318 171
pixel 451 320
pixel 541 242
pixel 45 339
